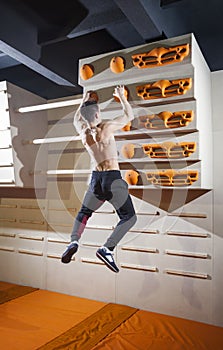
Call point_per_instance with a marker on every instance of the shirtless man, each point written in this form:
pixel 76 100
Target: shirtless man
pixel 106 183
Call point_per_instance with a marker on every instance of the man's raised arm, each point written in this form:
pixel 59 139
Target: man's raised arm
pixel 128 115
pixel 79 122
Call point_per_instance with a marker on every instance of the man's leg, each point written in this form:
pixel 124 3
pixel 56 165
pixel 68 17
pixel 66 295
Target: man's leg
pixel 90 204
pixel 122 202
pixel 128 219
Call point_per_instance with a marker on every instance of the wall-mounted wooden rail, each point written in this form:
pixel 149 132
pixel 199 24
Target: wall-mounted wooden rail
pixel 100 227
pixel 30 252
pixel 7 249
pixel 63 209
pixel 33 222
pixel 187 274
pixel 189 215
pixel 141 250
pixel 157 213
pixel 138 230
pixel 139 267
pixel 31 207
pixel 59 224
pixel 7 220
pixel 56 240
pixel 187 254
pixel 7 234
pixel 32 238
pixel 56 256
pixel 188 234
pixel 8 206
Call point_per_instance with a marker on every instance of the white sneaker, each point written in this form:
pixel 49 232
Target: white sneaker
pixel 106 256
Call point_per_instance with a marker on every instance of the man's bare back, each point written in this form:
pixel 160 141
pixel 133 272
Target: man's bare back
pixel 101 147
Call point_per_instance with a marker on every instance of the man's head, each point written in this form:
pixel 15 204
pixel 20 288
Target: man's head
pixel 91 112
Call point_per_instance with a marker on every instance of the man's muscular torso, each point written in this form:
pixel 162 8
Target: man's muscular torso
pixel 101 146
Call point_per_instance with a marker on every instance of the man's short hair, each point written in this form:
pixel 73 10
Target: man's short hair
pixel 88 110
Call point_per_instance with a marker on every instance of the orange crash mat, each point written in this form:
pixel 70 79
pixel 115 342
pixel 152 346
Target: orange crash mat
pixel 9 291
pixel 147 330
pixel 32 320
pixel 39 319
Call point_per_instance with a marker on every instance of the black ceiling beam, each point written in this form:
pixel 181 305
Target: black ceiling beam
pixel 21 44
pixel 126 34
pixel 97 21
pixel 32 64
pixel 110 17
pixel 139 18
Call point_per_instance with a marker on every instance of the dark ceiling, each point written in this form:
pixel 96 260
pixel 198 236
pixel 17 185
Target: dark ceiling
pixel 42 41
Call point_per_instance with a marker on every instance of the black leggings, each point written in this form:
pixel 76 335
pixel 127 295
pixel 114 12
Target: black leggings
pixel 106 186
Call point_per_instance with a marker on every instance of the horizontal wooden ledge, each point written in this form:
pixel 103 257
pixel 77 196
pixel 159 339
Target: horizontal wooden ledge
pixel 33 207
pixel 30 252
pixel 56 256
pixel 187 234
pixel 104 212
pixel 148 213
pixel 144 231
pixel 33 222
pixel 7 220
pixel 56 240
pixel 74 210
pixel 187 274
pixel 141 250
pixel 8 206
pixel 59 224
pixel 101 227
pixel 6 165
pixel 7 249
pixel 32 238
pixel 189 215
pixel 139 267
pixel 187 254
pixel 6 234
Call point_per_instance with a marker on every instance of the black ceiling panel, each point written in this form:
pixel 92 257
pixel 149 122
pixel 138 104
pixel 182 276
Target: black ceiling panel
pixel 42 42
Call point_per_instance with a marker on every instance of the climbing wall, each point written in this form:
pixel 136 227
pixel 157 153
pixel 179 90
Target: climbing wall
pixel 165 156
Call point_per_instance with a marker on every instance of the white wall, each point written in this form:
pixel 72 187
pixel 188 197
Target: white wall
pixel 217 105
